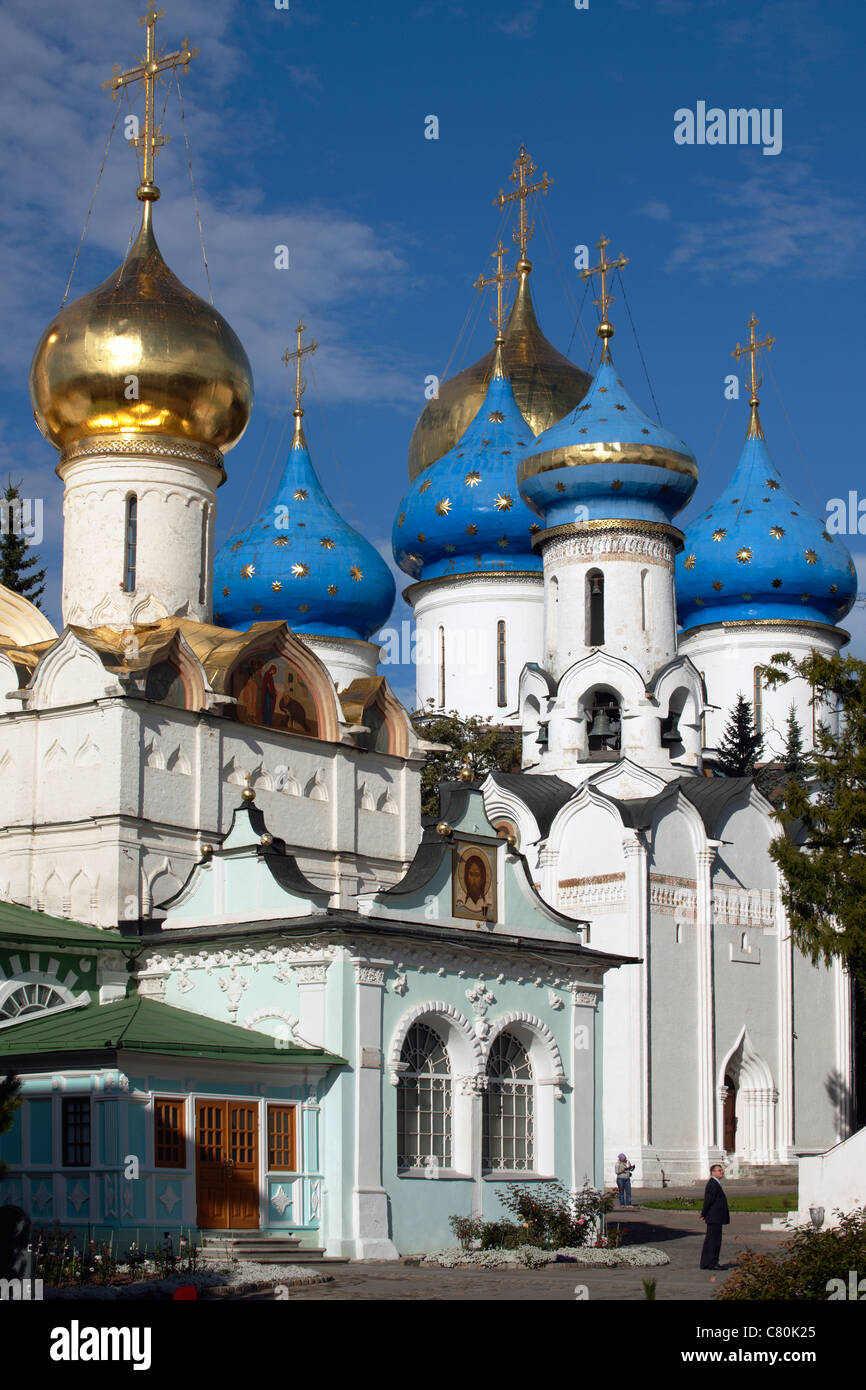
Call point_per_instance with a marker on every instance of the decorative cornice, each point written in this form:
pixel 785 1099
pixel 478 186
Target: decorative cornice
pixel 795 624
pixel 142 446
pixel 587 455
pixel 654 539
pixel 414 591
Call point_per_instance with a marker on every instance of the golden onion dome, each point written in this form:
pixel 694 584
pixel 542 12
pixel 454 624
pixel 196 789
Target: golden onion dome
pixel 141 354
pixel 546 385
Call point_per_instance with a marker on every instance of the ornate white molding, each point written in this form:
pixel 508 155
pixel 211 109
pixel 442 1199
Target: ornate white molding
pixel 432 1008
pixel 549 1044
pixel 370 975
pixel 596 544
pixel 311 974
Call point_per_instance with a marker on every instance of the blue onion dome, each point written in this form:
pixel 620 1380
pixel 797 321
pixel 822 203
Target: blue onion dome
pixel 301 563
pixel 757 554
pixel 608 459
pixel 463 514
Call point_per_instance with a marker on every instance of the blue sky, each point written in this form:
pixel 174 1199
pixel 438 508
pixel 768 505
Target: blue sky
pixel 307 129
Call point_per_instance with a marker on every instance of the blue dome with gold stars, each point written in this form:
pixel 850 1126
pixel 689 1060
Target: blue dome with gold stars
pixel 301 563
pixel 607 460
pixel 757 554
pixel 463 514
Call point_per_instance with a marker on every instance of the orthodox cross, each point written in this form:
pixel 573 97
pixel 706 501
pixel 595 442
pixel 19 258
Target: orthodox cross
pixel 296 356
pixel 752 348
pixel 498 280
pixel 147 70
pixel 605 329
pixel 521 174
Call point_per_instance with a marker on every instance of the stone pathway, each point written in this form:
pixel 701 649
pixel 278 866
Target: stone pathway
pixel 678 1233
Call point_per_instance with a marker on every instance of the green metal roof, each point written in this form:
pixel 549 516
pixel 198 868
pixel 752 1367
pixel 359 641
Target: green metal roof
pixel 137 1024
pixel 22 924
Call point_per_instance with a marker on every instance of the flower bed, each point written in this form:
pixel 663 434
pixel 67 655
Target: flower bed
pixel 531 1257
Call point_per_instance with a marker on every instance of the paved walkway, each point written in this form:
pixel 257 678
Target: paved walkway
pixel 678 1233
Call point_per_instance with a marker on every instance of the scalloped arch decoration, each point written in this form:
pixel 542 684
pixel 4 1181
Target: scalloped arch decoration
pixel 434 1008
pixel 542 1033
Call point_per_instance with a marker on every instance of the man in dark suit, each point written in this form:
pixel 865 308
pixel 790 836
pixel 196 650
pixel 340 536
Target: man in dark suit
pixel 716 1215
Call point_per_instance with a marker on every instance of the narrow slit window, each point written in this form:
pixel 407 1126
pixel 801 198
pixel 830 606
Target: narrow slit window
pixel 131 543
pixel 441 668
pixel 205 553
pixel 281 1139
pixel 758 703
pixel 501 684
pixel 169 1142
pixel 644 585
pixel 76 1131
pixel 595 609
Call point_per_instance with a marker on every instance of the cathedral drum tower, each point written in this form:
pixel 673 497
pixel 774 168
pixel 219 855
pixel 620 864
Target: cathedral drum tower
pixel 143 388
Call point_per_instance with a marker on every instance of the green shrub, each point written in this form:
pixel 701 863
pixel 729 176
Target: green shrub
pixel 504 1235
pixel 804 1266
pixel 466 1229
pixel 554 1217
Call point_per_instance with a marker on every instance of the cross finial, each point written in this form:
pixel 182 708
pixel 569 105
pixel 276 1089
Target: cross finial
pixel 752 348
pixel 520 175
pixel 498 280
pixel 296 357
pixel 147 70
pixel 605 329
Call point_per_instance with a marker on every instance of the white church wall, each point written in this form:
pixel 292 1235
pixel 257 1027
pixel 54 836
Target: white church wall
pixel 674 995
pixel 821 1093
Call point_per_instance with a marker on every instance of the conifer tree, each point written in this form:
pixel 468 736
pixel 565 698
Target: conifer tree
pixel 14 560
pixel 10 1100
pixel 795 761
pixel 741 746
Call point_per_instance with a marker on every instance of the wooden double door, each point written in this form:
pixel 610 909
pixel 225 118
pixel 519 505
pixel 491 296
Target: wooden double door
pixel 227 1165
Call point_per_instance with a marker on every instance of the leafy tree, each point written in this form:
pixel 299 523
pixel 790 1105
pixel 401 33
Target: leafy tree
pixel 824 872
pixel 486 746
pixel 741 746
pixel 14 560
pixel 10 1100
pixel 794 759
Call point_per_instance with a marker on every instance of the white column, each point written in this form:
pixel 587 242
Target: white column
pixel 785 1009
pixel 371 1237
pixel 707 1139
pixel 844 1058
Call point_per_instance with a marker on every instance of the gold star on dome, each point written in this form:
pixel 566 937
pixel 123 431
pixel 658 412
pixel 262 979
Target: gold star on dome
pixel 503 502
pixel 689 562
pixel 281 541
pixel 534 527
pixel 401 518
pixel 619 407
pixel 416 559
pixel 602 390
pixel 332 588
pixel 583 431
pixel 356 573
pixel 485 443
pixel 804 598
pixel 300 494
pixel 248 571
pixel 472 479
pixel 560 487
pixel 644 430
pixel 811 557
pixel 744 555
pixel 826 537
pixel 747 597
pixel 425 486
pixel 717 584
pixel 449 549
pixel 771 484
pixel 699 602
pixel 834 588
pixel 777 583
pixel 257 608
pixel 502 542
pixel 443 506
pixel 300 571
pixel 506 453
pixel 777 532
pixel 616 484
pixel 421 536
pixel 277 586
pixel 584 407
pixel 720 534
pixel 303 608
pixel 326 543
pixel 471 530
pixel 237 545
pixel 496 417
pixel 226 591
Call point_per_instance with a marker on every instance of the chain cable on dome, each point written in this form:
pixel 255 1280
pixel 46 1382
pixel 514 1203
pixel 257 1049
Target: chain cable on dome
pixel 252 473
pixel 90 209
pixel 637 341
pixel 588 344
pixel 354 515
pixel 791 428
pixel 192 182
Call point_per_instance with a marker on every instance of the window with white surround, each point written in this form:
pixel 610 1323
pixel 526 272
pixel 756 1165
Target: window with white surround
pixel 424 1101
pixel 501 684
pixel 507 1129
pixel 130 543
pixel 758 703
pixel 441 668
pixel 30 999
pixel 595 609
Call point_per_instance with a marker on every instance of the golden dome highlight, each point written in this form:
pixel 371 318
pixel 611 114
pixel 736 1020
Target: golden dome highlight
pixel 546 385
pixel 141 354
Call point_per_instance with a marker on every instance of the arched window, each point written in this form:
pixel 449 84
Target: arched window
pixel 30 999
pixel 507 1126
pixel 424 1101
pixel 644 594
pixel 595 609
pixel 704 715
pixel 441 668
pixel 501 688
pixel 205 553
pixel 131 543
pixel 758 701
pixel 605 724
pixel 165 685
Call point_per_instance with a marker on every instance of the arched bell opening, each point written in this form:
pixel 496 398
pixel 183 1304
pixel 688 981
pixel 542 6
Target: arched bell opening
pixel 604 723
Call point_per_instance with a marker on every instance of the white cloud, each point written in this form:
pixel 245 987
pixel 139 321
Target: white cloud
pixel 656 209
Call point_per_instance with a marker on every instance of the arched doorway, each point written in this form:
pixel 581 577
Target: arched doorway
pixel 748 1099
pixel 729 1116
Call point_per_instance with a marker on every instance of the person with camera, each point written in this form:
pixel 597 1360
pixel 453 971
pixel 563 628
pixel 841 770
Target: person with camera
pixel 623 1171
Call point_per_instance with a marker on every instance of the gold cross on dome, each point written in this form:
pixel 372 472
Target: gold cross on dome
pixel 296 356
pixel 752 348
pixel 498 280
pixel 605 329
pixel 521 174
pixel 147 70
